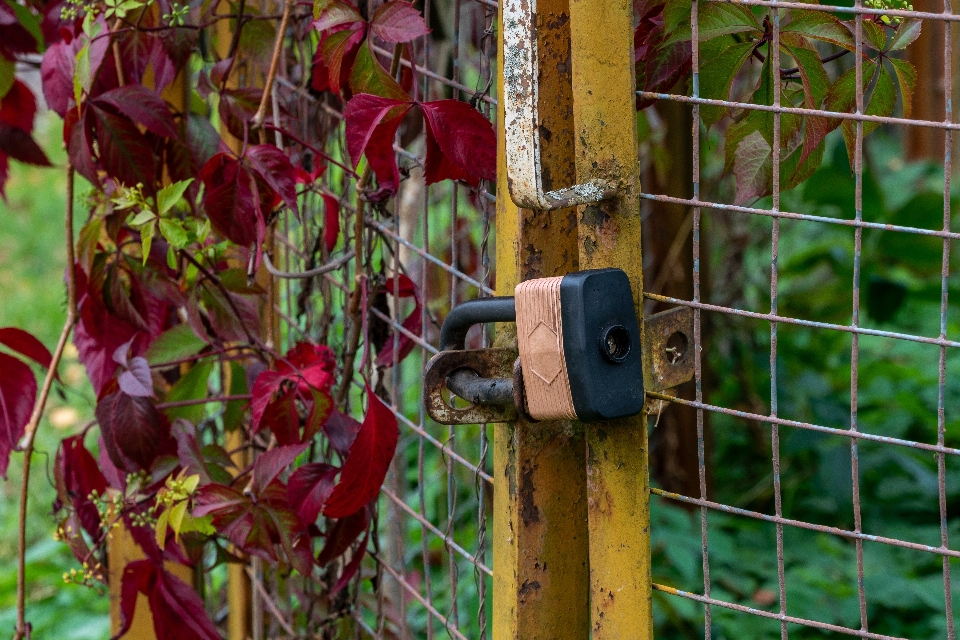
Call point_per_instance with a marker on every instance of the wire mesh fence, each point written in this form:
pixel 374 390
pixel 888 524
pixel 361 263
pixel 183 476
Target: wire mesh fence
pixel 432 543
pixel 866 341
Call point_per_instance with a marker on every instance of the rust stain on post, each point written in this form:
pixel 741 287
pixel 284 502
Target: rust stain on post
pixel 617 474
pixel 541 578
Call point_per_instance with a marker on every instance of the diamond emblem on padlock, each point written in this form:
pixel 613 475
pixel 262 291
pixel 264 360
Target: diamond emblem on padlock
pixel 545 358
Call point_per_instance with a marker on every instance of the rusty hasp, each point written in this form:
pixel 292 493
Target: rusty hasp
pixel 668 349
pixel 524 126
pixel 475 370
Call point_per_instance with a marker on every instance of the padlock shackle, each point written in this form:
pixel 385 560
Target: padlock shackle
pixel 453 333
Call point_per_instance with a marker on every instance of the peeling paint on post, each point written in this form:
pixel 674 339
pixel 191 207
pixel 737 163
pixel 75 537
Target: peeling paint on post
pixel 541 577
pixel 617 474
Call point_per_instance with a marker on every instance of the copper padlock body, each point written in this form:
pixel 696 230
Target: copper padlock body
pixel 542 358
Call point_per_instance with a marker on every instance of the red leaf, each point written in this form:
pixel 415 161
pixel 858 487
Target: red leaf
pixel 312 364
pixel 275 169
pixel 14 37
pixel 98 335
pixel 363 114
pixel 19 107
pixel 125 153
pixel 308 488
pixel 331 225
pixel 464 138
pixel 412 323
pixel 18 392
pixel 398 21
pixel 228 199
pixel 335 14
pixel 281 417
pixel 271 464
pixel 264 388
pixel 237 107
pixel 141 105
pixel 134 432
pixel 368 461
pixel 24 343
pixel 77 469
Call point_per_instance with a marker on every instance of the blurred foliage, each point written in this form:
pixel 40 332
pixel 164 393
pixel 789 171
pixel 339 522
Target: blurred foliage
pixel 897 397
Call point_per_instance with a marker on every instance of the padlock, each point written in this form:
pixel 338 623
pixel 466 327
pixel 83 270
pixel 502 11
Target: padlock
pixel 579 343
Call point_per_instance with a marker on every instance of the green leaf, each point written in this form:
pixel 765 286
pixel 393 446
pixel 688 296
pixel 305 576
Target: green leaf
pixel 171 194
pixel 318 7
pixel 7 74
pixel 161 529
pixel 882 100
pixel 876 36
pixel 716 19
pixel 174 232
pixel 368 76
pixel 81 74
pixel 907 32
pixel 717 73
pixel 906 81
pixel 29 21
pixel 174 344
pixel 142 218
pixel 233 413
pixel 146 237
pixel 192 386
pixel 820 26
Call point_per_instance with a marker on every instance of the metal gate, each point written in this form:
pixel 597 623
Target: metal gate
pixel 561 510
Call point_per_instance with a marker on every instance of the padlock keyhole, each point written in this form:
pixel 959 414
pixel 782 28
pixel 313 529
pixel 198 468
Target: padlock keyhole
pixel 615 343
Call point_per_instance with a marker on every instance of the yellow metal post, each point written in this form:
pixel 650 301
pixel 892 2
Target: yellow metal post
pixel 609 236
pixel 541 586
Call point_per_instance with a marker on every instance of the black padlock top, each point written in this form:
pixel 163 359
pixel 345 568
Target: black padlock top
pixel 601 344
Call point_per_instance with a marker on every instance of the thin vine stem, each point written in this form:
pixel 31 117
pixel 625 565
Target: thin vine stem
pixel 22 629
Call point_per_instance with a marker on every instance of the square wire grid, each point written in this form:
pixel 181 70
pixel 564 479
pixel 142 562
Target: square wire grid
pixel 853 431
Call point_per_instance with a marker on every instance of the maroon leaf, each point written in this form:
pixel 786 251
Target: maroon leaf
pixel 125 153
pixel 189 451
pixel 343 534
pixel 465 140
pixel 275 169
pixel 308 488
pixel 141 105
pixel 14 37
pixel 335 14
pixel 24 343
pixel 98 335
pixel 56 72
pixel 18 392
pixel 136 380
pixel 19 145
pixel 352 567
pixel 404 287
pixel 368 461
pixel 228 199
pixel 341 430
pixel 177 610
pixel 331 226
pixel 398 21
pixel 271 464
pixel 19 107
pixel 319 73
pixel 312 364
pixel 78 476
pixel 134 432
pixel 237 107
